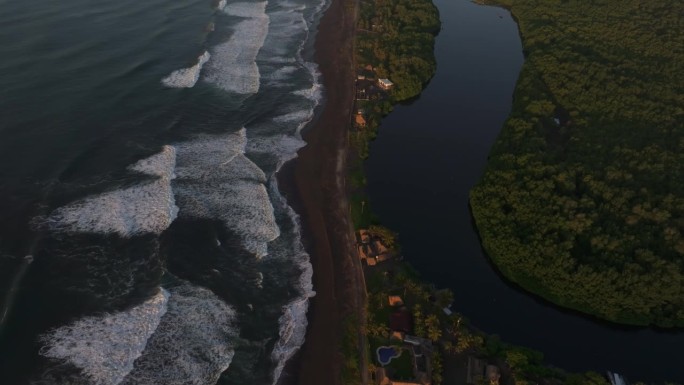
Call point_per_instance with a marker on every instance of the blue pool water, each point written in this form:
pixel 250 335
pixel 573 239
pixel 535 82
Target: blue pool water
pixel 385 354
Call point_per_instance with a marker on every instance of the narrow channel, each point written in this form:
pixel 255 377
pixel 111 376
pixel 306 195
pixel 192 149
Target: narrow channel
pixel 427 157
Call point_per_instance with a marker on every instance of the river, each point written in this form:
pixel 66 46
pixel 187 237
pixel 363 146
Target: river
pixel 427 157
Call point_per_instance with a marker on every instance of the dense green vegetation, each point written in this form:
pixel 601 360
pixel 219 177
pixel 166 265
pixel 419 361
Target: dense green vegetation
pixel 397 38
pixel 452 335
pixel 582 201
pixel 351 372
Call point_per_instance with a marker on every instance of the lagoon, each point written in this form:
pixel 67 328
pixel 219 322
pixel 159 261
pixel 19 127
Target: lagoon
pixel 427 157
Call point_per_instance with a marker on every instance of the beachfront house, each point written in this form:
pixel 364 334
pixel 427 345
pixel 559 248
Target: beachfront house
pixel 360 121
pixel 385 84
pixel 395 300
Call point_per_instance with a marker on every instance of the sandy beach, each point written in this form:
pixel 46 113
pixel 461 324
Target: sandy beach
pixel 315 185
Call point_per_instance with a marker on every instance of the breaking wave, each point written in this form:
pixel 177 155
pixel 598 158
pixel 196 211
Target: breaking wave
pixel 293 322
pixel 293 325
pixel 186 77
pixel 282 73
pixel 193 343
pixel 105 347
pixel 145 208
pixel 247 9
pixel 216 180
pixel 233 67
pixel 284 147
pixel 315 92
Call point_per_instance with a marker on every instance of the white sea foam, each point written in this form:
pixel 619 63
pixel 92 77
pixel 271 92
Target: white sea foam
pixel 160 165
pixel 221 5
pixel 300 257
pixel 105 347
pixel 216 180
pixel 293 324
pixel 282 73
pixel 233 66
pixel 285 147
pixel 315 92
pixel 247 9
pixel 281 60
pixel 295 116
pixel 288 31
pixel 293 321
pixel 186 77
pixel 145 208
pixel 193 343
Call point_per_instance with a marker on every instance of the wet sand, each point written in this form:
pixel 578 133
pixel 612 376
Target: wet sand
pixel 314 184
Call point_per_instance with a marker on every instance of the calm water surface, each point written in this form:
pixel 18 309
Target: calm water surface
pixel 425 160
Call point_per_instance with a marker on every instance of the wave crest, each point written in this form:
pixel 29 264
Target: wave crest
pixel 105 347
pixel 193 343
pixel 186 77
pixel 145 208
pixel 234 67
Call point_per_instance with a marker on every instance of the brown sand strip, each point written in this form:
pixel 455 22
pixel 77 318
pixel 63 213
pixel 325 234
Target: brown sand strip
pixel 319 196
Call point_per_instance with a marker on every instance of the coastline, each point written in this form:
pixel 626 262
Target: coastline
pixel 314 185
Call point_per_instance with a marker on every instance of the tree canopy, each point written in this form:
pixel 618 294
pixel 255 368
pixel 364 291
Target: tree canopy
pixel 582 201
pixel 397 38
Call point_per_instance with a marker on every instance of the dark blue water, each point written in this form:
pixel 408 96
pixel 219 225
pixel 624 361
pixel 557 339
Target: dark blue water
pixel 385 354
pixel 142 235
pixel 425 160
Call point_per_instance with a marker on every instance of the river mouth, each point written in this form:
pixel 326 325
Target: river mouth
pixel 427 157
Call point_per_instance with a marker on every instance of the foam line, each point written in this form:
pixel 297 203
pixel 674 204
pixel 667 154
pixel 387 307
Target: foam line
pixel 233 67
pixel 105 347
pixel 216 180
pixel 193 343
pixel 186 77
pixel 145 208
pixel 292 332
pixel 293 321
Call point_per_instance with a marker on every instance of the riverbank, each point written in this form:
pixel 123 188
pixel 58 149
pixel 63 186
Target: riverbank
pixel 578 235
pixel 424 161
pixel 314 184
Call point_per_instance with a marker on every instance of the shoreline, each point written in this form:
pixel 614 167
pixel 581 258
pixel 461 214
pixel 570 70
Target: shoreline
pixel 314 186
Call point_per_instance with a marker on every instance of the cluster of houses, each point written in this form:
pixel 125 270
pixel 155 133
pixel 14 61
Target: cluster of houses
pixel 478 372
pixel 419 349
pixel 371 249
pixel 366 83
pixel 369 88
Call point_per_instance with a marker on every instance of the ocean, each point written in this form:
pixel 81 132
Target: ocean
pixel 143 239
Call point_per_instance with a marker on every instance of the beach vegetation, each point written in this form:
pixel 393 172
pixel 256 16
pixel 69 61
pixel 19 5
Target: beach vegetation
pixel 583 196
pixel 397 38
pixel 351 369
pixel 387 236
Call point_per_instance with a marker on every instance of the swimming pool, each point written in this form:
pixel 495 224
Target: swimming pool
pixel 386 353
